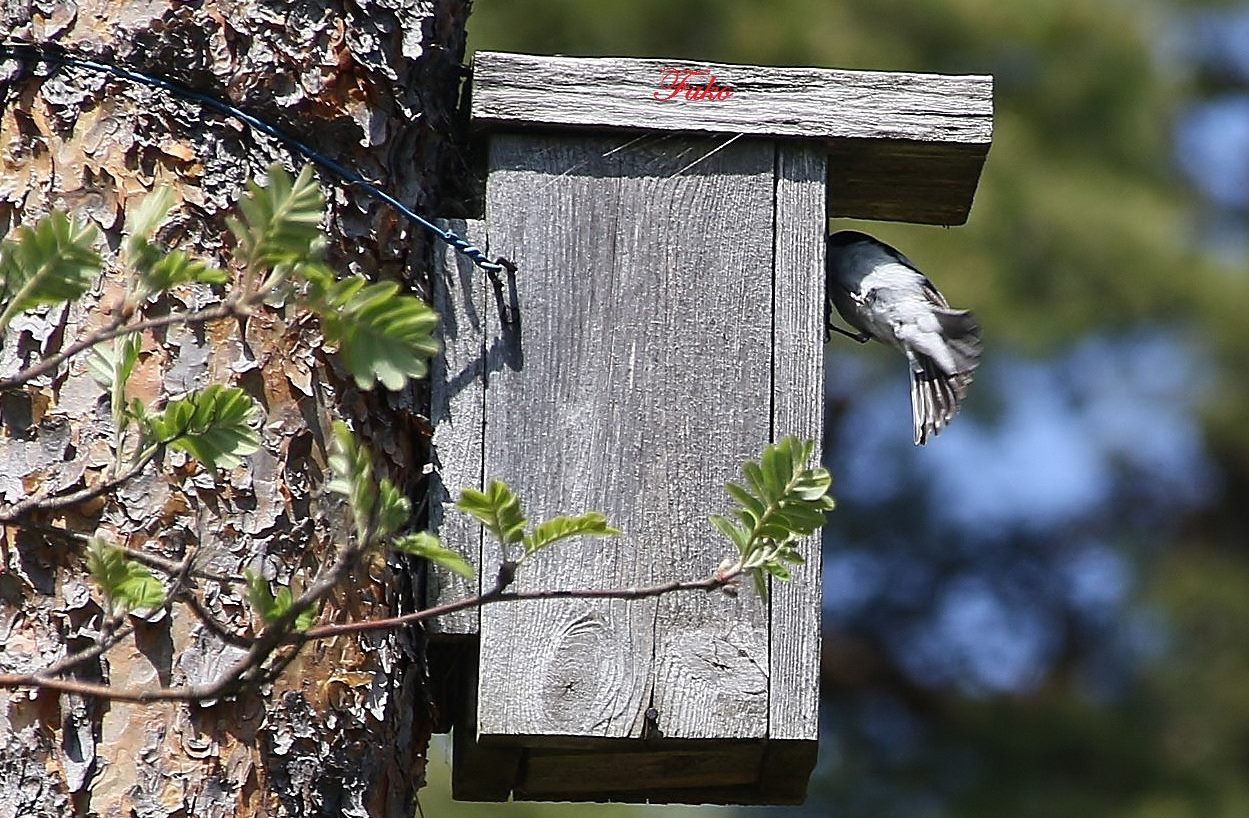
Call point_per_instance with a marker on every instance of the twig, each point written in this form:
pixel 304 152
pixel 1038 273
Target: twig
pixel 226 309
pixel 108 642
pixel 274 635
pixel 51 501
pixel 278 633
pixel 712 583
pixel 170 567
pixel 218 629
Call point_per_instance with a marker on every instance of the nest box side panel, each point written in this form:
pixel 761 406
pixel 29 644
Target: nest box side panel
pixel 457 404
pixel 634 379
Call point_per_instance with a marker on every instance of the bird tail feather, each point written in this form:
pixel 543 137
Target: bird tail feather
pixel 935 397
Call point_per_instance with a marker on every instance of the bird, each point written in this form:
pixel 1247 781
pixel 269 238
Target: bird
pixel 883 295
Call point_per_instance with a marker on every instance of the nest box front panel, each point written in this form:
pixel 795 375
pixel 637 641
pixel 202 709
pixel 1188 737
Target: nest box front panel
pixel 667 322
pixel 634 377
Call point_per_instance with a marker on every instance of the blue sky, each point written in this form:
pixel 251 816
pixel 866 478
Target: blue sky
pixel 1049 459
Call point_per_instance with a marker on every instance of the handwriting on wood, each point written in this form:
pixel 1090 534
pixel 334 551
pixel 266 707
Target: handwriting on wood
pixel 903 146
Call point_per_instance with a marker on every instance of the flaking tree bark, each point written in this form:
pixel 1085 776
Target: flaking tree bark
pixel 372 83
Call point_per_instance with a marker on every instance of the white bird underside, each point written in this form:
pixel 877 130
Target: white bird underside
pixel 879 292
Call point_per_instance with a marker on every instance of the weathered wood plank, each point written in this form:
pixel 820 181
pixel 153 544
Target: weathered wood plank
pixel 711 653
pixel 641 771
pixel 906 146
pixel 684 772
pixel 457 406
pixel 784 774
pixel 903 181
pixel 798 408
pixel 635 382
pixel 817 103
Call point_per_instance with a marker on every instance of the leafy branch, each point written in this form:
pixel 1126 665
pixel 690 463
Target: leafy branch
pixel 382 335
pixel 499 511
pixel 127 584
pixel 786 501
pixel 50 263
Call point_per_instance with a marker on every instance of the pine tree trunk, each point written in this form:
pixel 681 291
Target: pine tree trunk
pixel 373 84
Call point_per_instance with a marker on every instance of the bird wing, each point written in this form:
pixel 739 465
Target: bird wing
pixel 931 293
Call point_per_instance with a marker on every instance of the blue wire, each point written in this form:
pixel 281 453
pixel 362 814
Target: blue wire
pixel 34 53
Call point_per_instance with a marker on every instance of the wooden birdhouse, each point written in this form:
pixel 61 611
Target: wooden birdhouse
pixel 665 322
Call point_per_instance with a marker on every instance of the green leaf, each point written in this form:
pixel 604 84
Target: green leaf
pixel 737 534
pixel 259 596
pixel 273 607
pixel 52 262
pixel 592 524
pixel 139 411
pixel 754 507
pixel 215 425
pixel 157 269
pixel 393 509
pixel 352 470
pixel 307 617
pixel 142 222
pixel 786 500
pixel 176 268
pixel 778 467
pixel 497 508
pixel 280 223
pixel 777 569
pixel 378 508
pixel 757 482
pixel 761 583
pixel 321 280
pixel 427 545
pixel 124 581
pixel 281 602
pixel 111 365
pixel 381 336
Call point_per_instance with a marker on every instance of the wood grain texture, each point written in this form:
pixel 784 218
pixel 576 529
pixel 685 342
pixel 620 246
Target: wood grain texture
pixel 457 406
pixel 903 181
pixel 689 771
pixel 798 410
pixel 906 146
pixel 634 382
pixel 666 771
pixel 817 103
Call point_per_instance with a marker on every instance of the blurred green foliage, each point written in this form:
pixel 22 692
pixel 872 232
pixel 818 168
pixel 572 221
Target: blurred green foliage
pixel 1082 224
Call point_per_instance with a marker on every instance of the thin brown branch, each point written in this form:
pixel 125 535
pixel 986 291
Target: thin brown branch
pixel 712 583
pixel 110 692
pixel 278 633
pixel 51 501
pixel 217 628
pixel 116 628
pixel 241 672
pixel 183 592
pixel 170 567
pixel 226 309
pixel 117 632
pixel 275 633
